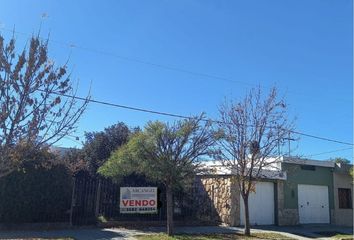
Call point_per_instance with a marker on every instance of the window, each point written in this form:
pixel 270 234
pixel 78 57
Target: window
pixel 345 199
pixel 308 167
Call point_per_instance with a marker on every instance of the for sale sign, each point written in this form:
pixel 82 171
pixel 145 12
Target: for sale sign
pixel 138 200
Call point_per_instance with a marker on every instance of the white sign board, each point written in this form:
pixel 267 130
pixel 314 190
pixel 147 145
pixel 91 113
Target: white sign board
pixel 138 200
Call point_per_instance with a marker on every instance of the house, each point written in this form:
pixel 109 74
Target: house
pixel 343 192
pixel 298 191
pixel 307 193
pixel 224 194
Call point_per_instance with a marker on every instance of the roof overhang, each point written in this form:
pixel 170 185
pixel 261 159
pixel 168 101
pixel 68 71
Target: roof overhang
pixel 304 161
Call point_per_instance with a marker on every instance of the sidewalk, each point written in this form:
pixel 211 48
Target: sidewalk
pixel 219 230
pixel 295 232
pixel 310 230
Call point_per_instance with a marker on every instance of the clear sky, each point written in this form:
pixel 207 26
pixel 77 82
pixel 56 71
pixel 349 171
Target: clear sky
pixel 304 47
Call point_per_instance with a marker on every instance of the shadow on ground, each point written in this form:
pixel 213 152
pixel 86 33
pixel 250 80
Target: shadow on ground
pixel 77 234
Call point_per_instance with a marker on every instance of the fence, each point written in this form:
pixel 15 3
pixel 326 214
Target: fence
pixel 52 195
pixel 94 197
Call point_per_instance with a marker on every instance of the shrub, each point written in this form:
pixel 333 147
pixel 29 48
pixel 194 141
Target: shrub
pixel 36 194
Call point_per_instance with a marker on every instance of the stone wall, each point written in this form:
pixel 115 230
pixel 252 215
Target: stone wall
pixel 286 216
pixel 220 199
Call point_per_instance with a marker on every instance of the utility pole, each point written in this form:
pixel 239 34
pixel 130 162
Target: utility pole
pixel 289 139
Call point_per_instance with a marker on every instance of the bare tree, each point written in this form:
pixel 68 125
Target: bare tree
pixel 33 110
pixel 249 133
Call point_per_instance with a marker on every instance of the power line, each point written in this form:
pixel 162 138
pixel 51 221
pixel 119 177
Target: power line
pixel 136 60
pixel 73 140
pixel 321 138
pixel 184 117
pixel 166 67
pixel 321 153
pixel 77 138
pixel 158 65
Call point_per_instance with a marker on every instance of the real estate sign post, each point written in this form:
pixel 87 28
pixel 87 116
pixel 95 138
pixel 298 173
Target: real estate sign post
pixel 138 200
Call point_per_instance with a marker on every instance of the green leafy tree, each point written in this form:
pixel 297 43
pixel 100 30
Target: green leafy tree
pixel 97 148
pixel 340 160
pixel 344 161
pixel 169 154
pixel 32 109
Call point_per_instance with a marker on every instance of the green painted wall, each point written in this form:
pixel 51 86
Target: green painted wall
pixel 295 176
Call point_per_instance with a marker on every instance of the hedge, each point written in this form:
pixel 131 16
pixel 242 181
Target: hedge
pixel 36 195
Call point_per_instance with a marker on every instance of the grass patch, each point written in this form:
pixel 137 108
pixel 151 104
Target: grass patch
pixel 41 239
pixel 343 237
pixel 336 235
pixel 102 219
pixel 212 236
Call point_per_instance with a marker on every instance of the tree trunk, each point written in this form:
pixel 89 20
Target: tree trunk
pixel 247 228
pixel 169 200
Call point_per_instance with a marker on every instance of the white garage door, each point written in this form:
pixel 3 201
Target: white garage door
pixel 313 203
pixel 261 205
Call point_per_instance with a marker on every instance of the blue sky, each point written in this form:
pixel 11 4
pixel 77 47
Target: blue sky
pixel 304 47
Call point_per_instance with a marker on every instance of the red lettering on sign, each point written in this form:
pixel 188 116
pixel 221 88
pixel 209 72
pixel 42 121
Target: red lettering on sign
pixel 138 203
